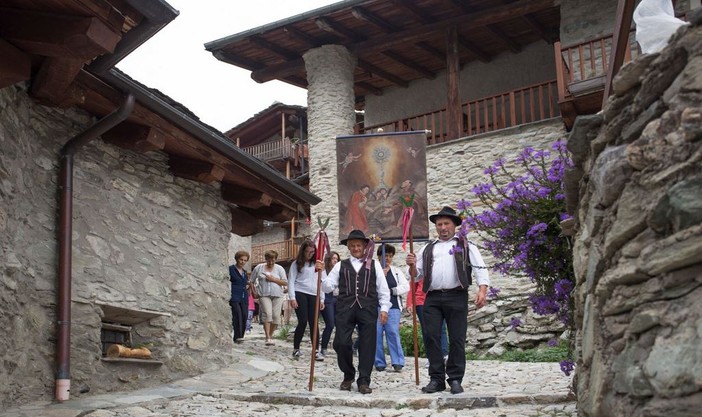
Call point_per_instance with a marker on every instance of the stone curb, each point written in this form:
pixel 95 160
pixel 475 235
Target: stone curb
pixel 427 401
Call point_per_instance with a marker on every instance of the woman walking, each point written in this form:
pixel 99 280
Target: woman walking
pixel 269 279
pixel 302 290
pixel 239 301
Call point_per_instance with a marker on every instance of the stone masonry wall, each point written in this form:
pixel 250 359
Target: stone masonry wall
pixel 638 248
pixel 142 239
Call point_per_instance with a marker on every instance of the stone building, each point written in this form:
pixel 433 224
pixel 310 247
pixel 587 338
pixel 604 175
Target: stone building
pixel 115 208
pixel 486 78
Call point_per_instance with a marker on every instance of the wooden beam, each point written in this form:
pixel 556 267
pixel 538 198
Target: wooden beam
pixel 454 112
pixel 476 19
pixel 537 27
pixel 362 14
pixel 244 224
pixel 278 71
pixel 135 137
pixel 311 41
pixel 52 82
pixel 382 73
pixel 245 197
pixel 328 25
pixel 51 34
pixel 15 65
pixel 273 212
pixel 622 27
pixel 432 51
pixel 195 170
pixel 280 51
pixel 502 36
pixel 410 64
pixel 473 49
pixel 419 14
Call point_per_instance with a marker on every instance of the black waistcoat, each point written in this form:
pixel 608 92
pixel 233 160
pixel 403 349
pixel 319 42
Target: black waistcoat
pixel 357 287
pixel 462 266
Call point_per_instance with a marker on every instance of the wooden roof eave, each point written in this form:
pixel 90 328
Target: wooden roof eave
pixel 288 193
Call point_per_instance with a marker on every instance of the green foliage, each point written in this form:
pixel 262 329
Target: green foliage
pixel 283 332
pixel 537 354
pixel 408 340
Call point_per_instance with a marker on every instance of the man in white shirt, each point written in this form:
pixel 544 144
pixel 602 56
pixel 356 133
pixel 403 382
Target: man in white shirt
pixel 447 265
pixel 362 289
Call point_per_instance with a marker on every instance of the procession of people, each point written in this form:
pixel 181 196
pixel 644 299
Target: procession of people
pixel 365 294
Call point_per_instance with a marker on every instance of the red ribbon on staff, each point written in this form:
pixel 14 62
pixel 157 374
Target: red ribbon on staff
pixel 407 214
pixel 321 241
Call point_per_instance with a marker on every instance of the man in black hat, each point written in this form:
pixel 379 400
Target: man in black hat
pixel 363 294
pixel 448 265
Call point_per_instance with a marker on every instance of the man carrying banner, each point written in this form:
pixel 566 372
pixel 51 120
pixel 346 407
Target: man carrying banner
pixel 447 265
pixel 362 290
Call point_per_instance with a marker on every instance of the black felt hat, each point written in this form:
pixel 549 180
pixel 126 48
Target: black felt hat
pixel 355 234
pixel 447 212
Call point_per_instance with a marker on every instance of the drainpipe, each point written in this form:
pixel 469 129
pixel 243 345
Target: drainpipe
pixel 63 306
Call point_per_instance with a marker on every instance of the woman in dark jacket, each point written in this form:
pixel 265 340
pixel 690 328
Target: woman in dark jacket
pixel 239 300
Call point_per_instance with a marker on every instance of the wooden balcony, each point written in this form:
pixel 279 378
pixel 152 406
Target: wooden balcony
pixel 286 156
pixel 511 108
pixel 287 251
pixel 581 72
pixel 268 151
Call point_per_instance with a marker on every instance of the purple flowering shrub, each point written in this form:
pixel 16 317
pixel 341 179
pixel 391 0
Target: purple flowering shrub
pixel 519 222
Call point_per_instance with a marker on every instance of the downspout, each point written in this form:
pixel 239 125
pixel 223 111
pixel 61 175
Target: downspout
pixel 63 305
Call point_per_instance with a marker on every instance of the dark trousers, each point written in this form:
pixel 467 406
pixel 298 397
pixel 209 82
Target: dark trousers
pixel 240 312
pixel 444 339
pixel 306 306
pixel 328 314
pixel 451 306
pixel 346 319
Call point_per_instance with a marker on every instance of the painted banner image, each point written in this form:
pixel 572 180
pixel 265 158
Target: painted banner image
pixel 374 172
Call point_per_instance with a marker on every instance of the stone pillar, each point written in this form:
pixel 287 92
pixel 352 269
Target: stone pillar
pixel 330 113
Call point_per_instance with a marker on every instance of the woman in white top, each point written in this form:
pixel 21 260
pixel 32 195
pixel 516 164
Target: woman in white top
pixel 302 291
pixel 269 279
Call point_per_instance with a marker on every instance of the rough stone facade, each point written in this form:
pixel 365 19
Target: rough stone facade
pixel 142 239
pixel 638 248
pixel 330 113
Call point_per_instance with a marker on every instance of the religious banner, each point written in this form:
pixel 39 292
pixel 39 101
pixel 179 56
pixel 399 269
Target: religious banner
pixel 377 176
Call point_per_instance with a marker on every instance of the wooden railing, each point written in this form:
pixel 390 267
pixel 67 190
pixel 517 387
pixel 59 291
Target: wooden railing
pixel 511 108
pixel 267 151
pixel 581 68
pixel 287 250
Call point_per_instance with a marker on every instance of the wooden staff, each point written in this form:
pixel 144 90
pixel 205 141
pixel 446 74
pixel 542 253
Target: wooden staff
pixel 320 256
pixel 413 272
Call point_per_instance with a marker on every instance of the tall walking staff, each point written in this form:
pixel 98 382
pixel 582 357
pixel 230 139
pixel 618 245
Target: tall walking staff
pixel 322 243
pixel 407 214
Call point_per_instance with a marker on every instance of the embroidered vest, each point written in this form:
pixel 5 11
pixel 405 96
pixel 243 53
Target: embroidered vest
pixel 461 259
pixel 356 287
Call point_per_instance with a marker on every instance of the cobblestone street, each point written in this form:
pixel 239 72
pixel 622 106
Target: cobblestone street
pixel 266 381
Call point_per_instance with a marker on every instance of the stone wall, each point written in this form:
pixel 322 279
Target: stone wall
pixel 532 65
pixel 142 239
pixel 638 248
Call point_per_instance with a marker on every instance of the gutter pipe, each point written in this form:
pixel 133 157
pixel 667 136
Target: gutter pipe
pixel 63 306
